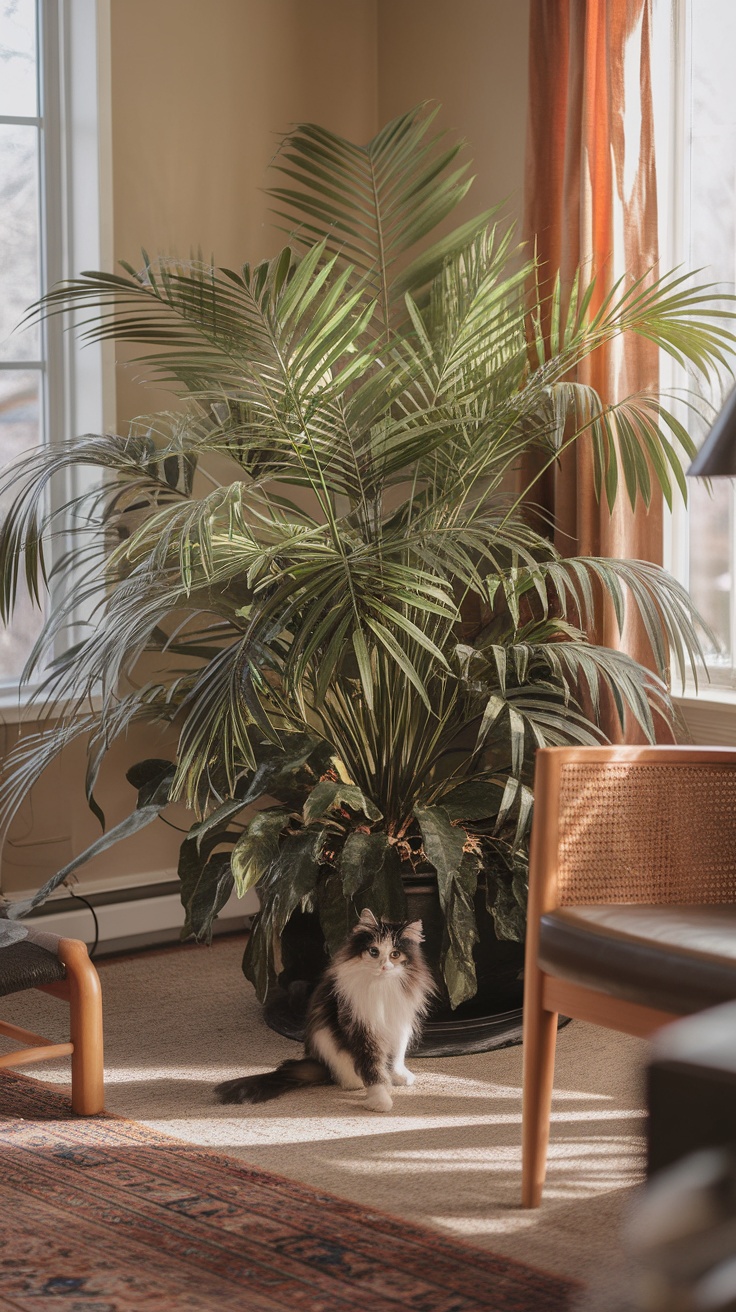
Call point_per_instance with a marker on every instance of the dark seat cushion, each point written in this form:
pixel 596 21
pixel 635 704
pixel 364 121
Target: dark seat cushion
pixel 25 965
pixel 673 958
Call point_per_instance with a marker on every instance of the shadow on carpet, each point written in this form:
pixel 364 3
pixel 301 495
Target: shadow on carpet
pixel 111 1216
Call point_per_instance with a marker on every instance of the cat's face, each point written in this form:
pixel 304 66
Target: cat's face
pixel 385 948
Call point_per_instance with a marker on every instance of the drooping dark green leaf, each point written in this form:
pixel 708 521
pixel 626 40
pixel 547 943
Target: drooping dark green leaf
pixel 328 795
pixel 288 772
pixel 461 932
pixel 206 880
pixel 361 862
pixel 444 845
pixel 257 848
pixel 294 873
pixel 457 879
pixel 153 779
pixel 292 876
pixel 336 914
pixel 205 900
pixel 507 888
pixel 147 773
pixel 476 799
pixel 258 955
pixel 508 916
pixel 385 895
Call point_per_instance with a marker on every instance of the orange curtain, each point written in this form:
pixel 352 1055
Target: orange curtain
pixel 591 200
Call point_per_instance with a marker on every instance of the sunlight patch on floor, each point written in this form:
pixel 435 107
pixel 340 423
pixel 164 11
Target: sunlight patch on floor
pixel 464 1226
pixel 586 1189
pixel 597 1114
pixel 487 1160
pixel 485 1088
pixel 241 1130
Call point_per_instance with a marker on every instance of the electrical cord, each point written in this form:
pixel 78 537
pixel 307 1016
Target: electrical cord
pixel 77 898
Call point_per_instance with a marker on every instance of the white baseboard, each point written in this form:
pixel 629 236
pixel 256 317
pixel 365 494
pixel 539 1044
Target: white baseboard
pixel 136 921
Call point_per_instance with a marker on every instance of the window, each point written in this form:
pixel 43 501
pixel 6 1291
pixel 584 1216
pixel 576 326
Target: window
pixel 700 233
pixel 55 202
pixel 22 367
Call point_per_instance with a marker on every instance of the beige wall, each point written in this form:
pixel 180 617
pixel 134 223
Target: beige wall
pixel 202 91
pixel 55 824
pixel 471 57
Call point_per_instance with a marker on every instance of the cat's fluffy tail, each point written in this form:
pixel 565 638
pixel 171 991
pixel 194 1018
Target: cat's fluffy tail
pixel 262 1088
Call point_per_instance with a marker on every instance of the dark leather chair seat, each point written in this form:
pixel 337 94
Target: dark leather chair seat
pixel 26 965
pixel 675 958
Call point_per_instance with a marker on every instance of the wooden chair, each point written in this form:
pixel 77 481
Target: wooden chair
pixel 632 903
pixel 59 966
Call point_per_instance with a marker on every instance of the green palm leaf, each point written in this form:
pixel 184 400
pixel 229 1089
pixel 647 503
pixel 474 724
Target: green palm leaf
pixel 371 204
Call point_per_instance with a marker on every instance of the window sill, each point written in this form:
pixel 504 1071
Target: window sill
pixel 17 705
pixel 709 716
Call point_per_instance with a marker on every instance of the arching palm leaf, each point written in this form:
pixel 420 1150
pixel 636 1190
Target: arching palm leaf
pixel 370 204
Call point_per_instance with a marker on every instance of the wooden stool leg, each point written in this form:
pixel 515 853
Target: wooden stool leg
pixel 540 1039
pixel 85 1007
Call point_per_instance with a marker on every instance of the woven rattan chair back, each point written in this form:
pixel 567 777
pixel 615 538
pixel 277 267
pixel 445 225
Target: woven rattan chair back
pixel 643 831
pixel 649 825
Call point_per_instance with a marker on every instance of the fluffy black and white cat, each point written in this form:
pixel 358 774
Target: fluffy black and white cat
pixel 363 1014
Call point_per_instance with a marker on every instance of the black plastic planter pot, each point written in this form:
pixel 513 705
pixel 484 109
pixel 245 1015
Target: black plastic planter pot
pixel 492 1019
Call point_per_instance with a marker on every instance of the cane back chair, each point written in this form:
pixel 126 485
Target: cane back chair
pixel 632 903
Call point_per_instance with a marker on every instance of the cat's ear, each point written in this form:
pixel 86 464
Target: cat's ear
pixel 413 931
pixel 367 920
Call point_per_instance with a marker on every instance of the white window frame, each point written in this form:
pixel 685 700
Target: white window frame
pixel 708 710
pixel 671 119
pixel 77 381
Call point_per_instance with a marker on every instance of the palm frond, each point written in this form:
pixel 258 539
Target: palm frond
pixel 370 204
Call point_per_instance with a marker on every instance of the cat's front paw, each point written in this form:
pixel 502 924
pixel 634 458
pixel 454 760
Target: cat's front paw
pixel 402 1076
pixel 378 1098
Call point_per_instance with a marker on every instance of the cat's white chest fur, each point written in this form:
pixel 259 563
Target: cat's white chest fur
pixel 380 1002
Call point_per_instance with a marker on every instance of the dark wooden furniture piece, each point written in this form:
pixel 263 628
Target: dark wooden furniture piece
pixel 632 903
pixel 691 1087
pixel 60 966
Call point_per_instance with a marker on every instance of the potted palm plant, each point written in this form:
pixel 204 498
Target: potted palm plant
pixel 363 637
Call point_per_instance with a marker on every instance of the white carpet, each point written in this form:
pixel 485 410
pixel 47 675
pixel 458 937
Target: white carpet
pixel 177 1021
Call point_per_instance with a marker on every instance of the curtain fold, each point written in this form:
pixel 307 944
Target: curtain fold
pixel 591 200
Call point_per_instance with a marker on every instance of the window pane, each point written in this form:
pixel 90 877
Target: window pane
pixel 19 430
pixel 18 81
pixel 19 239
pixel 711 561
pixel 712 249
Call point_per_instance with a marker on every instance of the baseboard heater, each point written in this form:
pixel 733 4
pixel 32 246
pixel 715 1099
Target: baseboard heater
pixel 146 915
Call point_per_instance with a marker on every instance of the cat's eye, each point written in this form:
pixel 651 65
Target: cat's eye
pixel 373 952
pixel 395 954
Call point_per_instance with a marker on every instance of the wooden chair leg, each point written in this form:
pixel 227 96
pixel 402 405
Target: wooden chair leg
pixel 540 1040
pixel 85 1008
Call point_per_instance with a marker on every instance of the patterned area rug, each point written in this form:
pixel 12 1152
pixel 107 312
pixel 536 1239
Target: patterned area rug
pixel 111 1217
